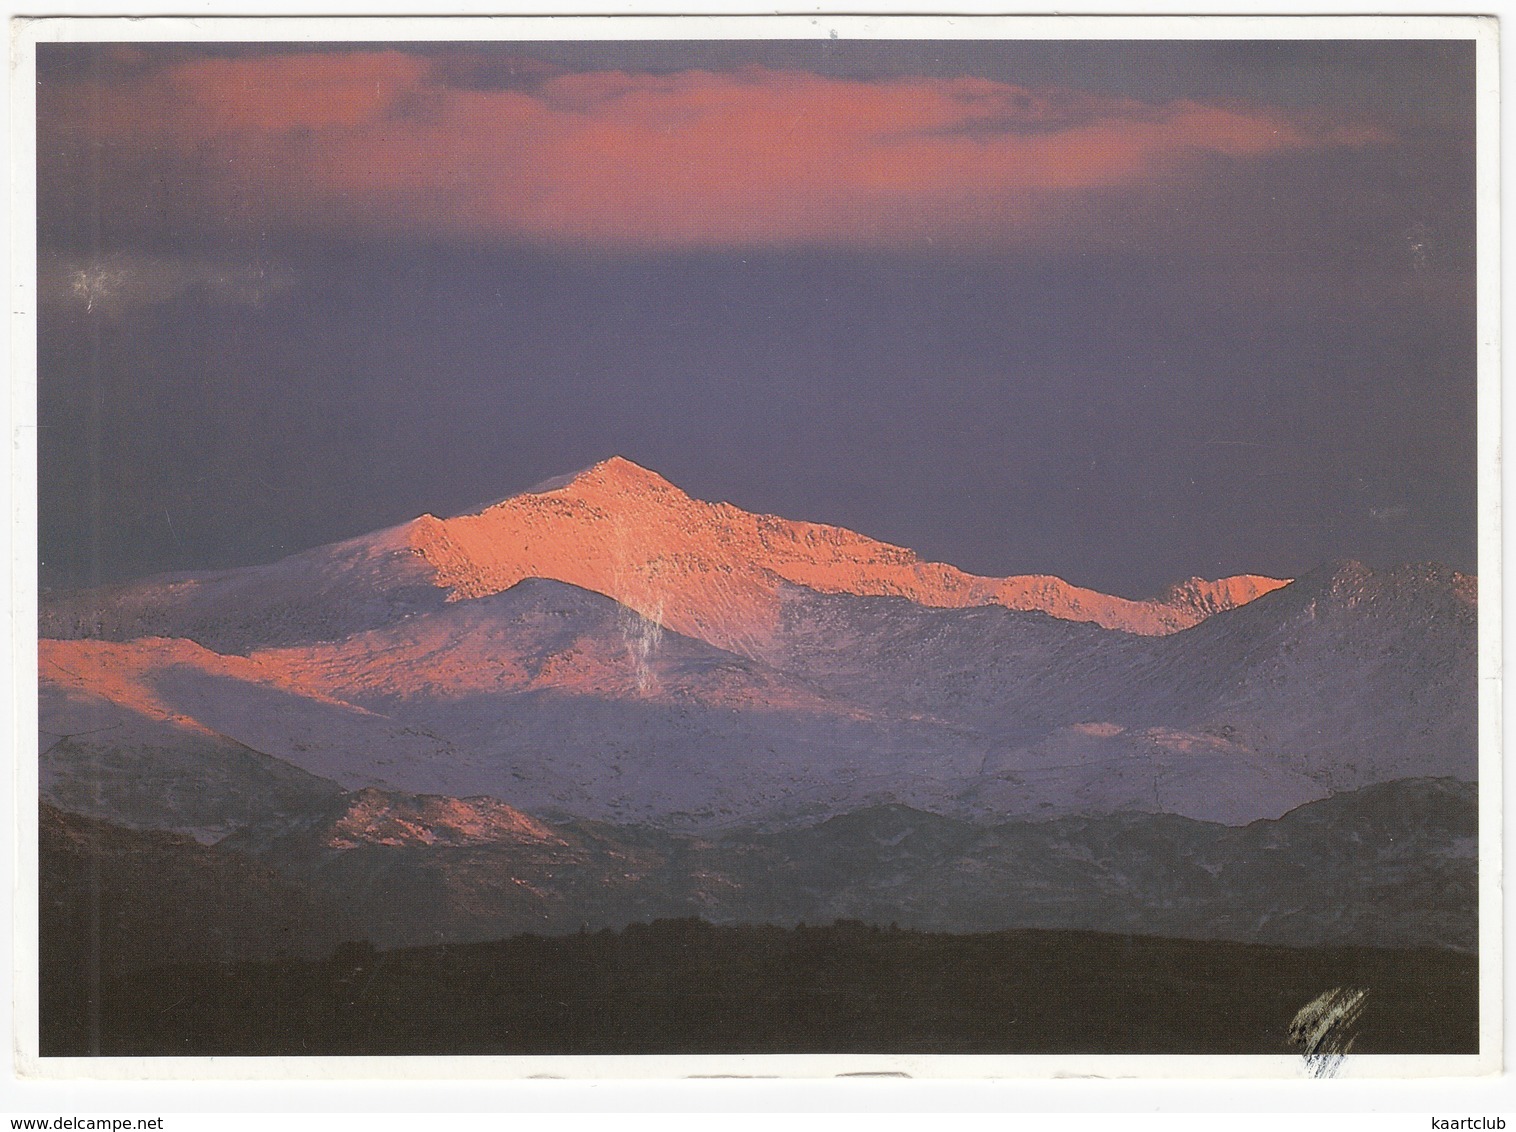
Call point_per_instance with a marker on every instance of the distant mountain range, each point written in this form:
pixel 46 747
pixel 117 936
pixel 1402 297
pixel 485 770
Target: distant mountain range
pixel 1391 865
pixel 603 667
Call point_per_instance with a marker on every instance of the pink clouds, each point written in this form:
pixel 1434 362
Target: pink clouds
pixel 755 157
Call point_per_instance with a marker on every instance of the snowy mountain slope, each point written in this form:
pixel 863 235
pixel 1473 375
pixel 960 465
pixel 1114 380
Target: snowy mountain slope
pixel 1357 675
pixel 320 594
pixel 166 734
pixel 107 753
pixel 538 636
pixel 1346 677
pixel 1106 768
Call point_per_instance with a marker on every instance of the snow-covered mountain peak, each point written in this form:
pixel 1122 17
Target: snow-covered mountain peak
pixel 615 475
pixel 712 571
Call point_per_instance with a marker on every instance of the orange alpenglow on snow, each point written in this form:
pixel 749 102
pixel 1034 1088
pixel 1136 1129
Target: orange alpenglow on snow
pixel 128 673
pixel 716 572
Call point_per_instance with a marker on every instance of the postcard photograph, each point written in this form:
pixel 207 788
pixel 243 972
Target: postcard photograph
pixel 808 541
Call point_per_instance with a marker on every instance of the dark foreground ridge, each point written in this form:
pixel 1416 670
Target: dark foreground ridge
pixel 689 987
pixel 152 944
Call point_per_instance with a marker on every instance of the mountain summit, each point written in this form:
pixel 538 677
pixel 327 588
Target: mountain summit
pixel 714 571
pixel 616 474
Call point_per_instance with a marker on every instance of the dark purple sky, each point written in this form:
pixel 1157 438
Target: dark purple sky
pixel 1119 312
